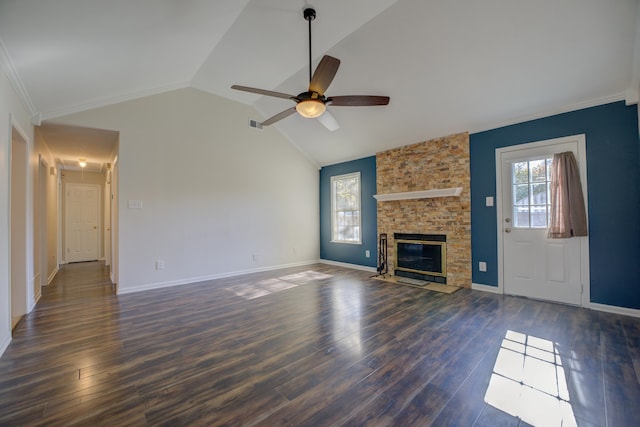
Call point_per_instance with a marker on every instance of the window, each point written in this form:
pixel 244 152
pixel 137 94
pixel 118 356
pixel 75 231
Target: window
pixel 345 208
pixel 531 201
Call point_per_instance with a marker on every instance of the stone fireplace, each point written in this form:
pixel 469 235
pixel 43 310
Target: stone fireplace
pixel 427 167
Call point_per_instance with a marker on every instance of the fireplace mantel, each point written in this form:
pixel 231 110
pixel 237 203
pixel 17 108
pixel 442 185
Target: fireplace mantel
pixel 424 194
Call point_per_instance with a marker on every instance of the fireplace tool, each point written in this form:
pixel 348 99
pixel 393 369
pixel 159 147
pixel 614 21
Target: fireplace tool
pixel 383 268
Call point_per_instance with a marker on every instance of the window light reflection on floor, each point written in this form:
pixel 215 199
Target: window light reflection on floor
pixel 264 287
pixel 528 382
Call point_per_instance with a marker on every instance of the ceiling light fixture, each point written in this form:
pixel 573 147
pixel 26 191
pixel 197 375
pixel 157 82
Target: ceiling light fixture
pixel 313 103
pixel 82 163
pixel 311 108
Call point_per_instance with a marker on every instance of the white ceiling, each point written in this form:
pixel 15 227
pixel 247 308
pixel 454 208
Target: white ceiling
pixel 448 66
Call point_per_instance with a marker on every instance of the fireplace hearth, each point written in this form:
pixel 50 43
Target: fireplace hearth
pixel 421 256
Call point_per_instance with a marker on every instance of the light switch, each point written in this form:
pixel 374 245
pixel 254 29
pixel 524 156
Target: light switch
pixel 134 204
pixel 489 201
pixel 482 266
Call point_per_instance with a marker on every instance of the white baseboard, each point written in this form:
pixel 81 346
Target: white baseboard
pixel 486 288
pixel 593 306
pixel 633 312
pixel 53 274
pixel 5 343
pixel 36 298
pixel 190 280
pixel 347 265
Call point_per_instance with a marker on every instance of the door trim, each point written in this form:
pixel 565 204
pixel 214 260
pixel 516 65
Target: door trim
pixel 584 241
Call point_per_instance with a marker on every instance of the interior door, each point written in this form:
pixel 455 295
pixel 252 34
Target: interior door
pixel 82 213
pixel 534 266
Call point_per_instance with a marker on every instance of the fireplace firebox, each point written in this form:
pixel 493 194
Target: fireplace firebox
pixel 421 256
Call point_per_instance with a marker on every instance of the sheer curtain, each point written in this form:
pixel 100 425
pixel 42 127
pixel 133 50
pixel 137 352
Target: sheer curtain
pixel 568 215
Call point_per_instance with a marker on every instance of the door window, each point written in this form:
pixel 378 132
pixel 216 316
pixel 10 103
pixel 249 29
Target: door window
pixel 530 192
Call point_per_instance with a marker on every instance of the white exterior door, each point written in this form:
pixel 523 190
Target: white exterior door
pixel 82 214
pixel 532 265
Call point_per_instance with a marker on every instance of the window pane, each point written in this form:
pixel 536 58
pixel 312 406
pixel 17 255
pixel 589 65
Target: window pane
pixel 539 194
pixel 521 216
pixel 521 194
pixel 549 163
pixel 538 170
pixel 520 172
pixel 539 216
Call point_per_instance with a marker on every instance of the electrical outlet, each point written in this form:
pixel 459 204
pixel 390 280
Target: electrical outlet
pixel 255 257
pixel 367 253
pixel 160 264
pixel 482 266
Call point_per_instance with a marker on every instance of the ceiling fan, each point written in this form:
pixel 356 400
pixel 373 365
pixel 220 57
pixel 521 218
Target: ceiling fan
pixel 313 103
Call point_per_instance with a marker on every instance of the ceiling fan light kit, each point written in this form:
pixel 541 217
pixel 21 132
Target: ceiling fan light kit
pixel 311 108
pixel 312 103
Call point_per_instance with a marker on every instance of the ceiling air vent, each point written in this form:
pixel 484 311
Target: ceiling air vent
pixel 255 124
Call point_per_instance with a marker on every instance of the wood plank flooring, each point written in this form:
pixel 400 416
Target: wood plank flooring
pixel 313 346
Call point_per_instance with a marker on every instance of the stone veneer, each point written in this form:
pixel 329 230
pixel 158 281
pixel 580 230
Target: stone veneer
pixel 435 164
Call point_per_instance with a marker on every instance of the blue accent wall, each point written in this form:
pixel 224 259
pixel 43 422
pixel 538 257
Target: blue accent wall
pixel 344 252
pixel 613 177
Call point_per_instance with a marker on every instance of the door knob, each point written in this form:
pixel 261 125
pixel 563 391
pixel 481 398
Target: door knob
pixel 507 220
pixel 507 230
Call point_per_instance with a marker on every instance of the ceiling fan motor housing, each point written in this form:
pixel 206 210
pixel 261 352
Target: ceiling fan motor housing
pixel 309 14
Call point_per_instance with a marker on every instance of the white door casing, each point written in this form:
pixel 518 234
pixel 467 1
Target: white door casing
pixel 530 264
pixel 107 219
pixel 82 220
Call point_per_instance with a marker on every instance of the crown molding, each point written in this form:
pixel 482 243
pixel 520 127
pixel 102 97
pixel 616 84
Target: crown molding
pixel 16 82
pixel 111 100
pixel 548 113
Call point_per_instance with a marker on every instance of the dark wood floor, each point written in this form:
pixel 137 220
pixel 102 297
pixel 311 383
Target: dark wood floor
pixel 313 346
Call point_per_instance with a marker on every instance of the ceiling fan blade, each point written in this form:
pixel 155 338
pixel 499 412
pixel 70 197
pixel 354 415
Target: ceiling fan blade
pixel 329 121
pixel 279 116
pixel 357 100
pixel 263 92
pixel 324 74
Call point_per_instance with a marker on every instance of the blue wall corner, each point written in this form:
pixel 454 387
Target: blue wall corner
pixel 613 175
pixel 349 253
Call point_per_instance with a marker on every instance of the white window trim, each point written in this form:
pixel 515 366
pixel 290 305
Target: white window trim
pixel 528 183
pixel 333 207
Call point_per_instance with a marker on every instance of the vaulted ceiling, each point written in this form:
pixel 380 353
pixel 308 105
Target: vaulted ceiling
pixel 448 66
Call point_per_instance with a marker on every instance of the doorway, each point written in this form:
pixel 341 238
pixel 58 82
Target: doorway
pixel 530 264
pixel 41 227
pixel 18 230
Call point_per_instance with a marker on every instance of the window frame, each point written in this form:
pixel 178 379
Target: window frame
pixel 334 212
pixel 529 183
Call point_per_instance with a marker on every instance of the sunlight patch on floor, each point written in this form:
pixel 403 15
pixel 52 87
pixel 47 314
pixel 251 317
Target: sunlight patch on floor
pixel 529 382
pixel 269 286
pixel 347 316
